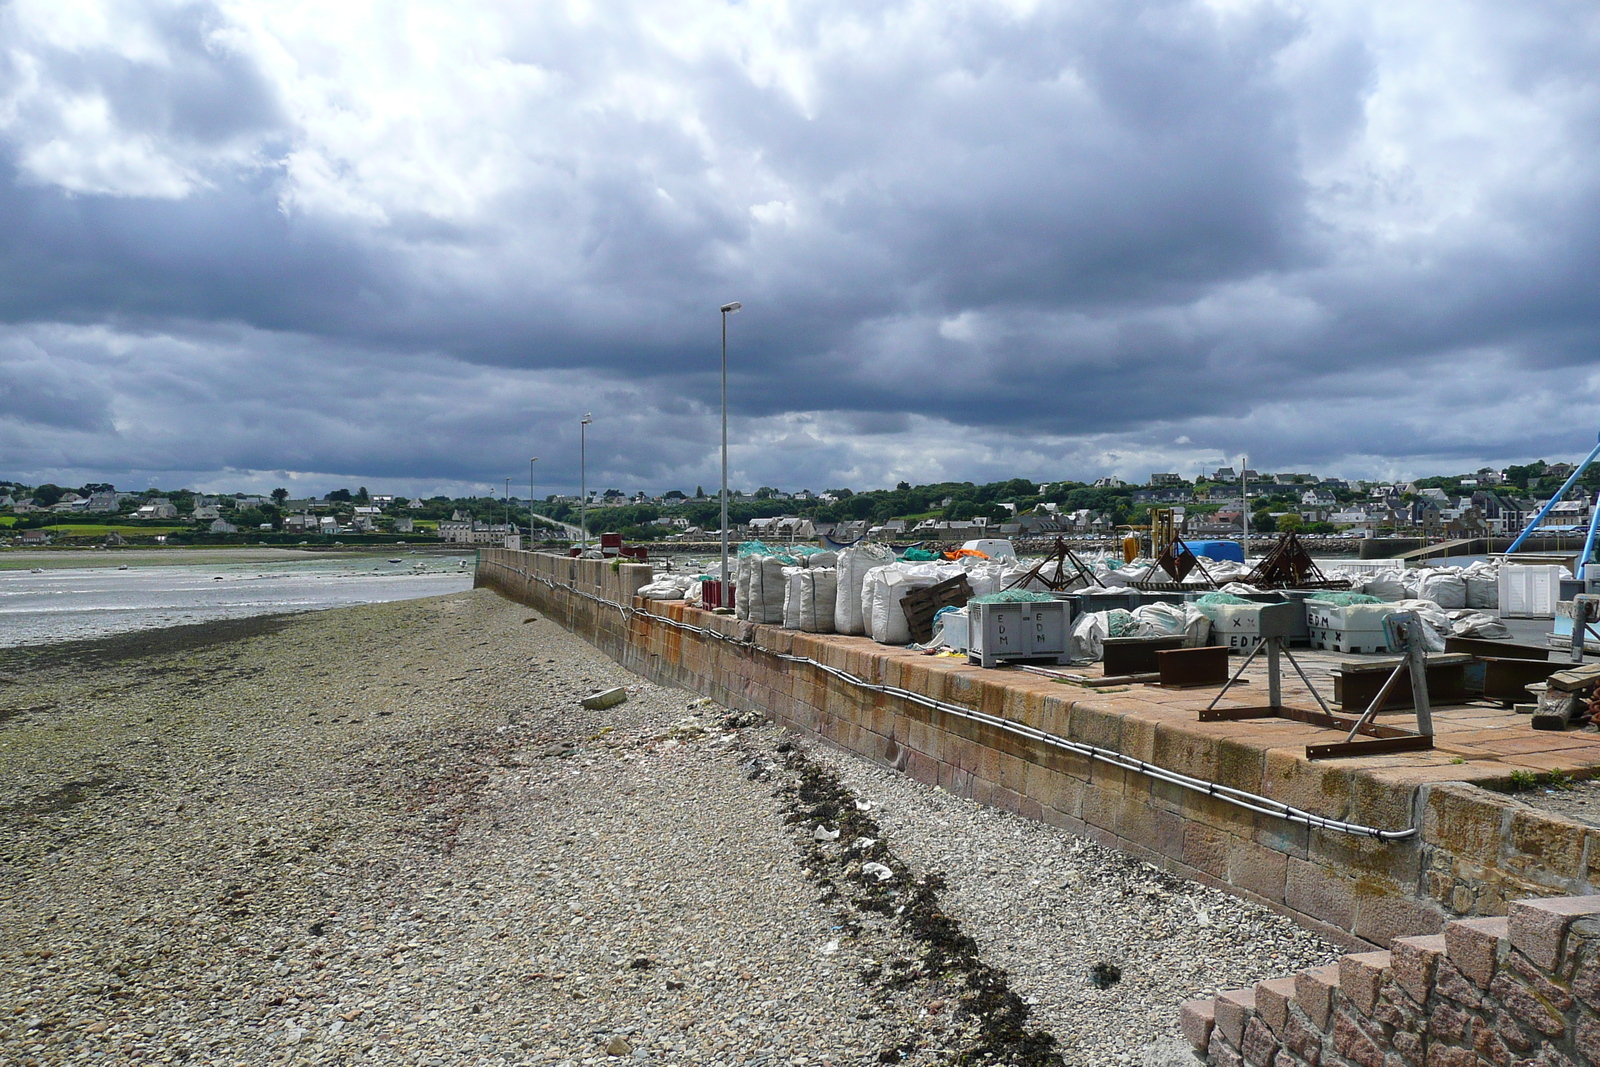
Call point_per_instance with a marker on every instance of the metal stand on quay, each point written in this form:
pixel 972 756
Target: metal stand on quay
pixel 1404 631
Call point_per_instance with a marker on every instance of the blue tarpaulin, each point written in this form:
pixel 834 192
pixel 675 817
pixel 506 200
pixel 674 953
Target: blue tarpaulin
pixel 1217 550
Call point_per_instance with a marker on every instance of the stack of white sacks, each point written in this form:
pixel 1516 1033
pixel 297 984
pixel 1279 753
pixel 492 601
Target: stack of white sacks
pixel 859 591
pixel 1476 586
pixel 881 614
pixel 1148 620
pixel 856 591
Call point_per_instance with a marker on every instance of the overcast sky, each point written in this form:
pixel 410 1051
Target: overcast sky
pixel 408 245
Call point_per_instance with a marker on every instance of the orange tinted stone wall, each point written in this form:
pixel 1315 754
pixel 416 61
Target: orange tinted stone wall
pixel 1476 850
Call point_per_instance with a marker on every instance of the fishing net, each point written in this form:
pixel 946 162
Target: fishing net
pixel 1345 600
pixel 1011 596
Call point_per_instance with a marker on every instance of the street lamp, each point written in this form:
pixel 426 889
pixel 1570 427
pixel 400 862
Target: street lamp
pixel 583 479
pixel 727 309
pixel 508 506
pixel 531 462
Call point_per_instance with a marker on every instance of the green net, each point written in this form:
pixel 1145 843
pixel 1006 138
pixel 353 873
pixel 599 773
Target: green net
pixel 757 548
pixel 1011 596
pixel 1345 600
pixel 1120 623
pixel 921 555
pixel 1222 598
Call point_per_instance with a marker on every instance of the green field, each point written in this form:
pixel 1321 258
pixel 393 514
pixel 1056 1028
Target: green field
pixel 95 529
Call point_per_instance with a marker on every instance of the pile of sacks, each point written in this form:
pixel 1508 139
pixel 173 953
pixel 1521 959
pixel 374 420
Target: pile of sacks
pixel 798 586
pixel 673 587
pixel 855 591
pixel 1476 586
pixel 1115 574
pixel 1089 633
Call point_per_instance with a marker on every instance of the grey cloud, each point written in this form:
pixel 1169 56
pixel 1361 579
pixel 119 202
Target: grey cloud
pixel 1094 227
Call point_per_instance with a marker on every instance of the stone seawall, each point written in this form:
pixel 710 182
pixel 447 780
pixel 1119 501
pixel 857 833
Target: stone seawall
pixel 1522 988
pixel 1471 850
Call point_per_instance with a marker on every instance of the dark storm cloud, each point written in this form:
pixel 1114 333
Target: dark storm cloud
pixel 1091 235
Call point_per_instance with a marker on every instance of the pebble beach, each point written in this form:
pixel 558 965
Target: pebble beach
pixel 390 834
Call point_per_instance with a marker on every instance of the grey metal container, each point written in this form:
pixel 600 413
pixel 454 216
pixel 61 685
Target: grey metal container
pixel 1030 630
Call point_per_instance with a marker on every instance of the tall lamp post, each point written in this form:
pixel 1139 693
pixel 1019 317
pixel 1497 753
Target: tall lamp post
pixel 531 462
pixel 583 479
pixel 1244 508
pixel 727 309
pixel 508 507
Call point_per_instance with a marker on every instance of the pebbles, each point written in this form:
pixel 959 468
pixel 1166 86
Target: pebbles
pixel 391 834
pixel 1103 947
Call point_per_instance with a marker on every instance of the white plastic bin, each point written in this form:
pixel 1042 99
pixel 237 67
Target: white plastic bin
pixel 1354 628
pixel 1030 630
pixel 1529 591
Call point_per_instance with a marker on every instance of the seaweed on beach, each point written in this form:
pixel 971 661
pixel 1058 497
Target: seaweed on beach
pixel 166 641
pixel 948 957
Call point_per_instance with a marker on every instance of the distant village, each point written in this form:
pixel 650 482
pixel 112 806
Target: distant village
pixel 1215 504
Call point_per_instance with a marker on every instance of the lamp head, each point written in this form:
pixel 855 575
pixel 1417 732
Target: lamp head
pixel 729 308
pixel 587 419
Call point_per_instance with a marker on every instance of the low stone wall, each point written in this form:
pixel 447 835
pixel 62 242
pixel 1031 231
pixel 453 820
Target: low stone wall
pixel 1474 850
pixel 1523 988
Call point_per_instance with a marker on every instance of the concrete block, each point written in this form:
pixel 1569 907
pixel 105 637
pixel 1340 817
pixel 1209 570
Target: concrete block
pixel 1197 1017
pixel 1415 960
pixel 1256 869
pixel 1360 977
pixel 1206 849
pixel 1465 820
pixel 1320 892
pixel 1474 946
pixel 1383 916
pixel 922 767
pixel 1005 799
pixel 1260 1044
pixel 1537 927
pixel 1235 1009
pixel 1098 726
pixel 1546 848
pixel 1272 1002
pixel 1153 828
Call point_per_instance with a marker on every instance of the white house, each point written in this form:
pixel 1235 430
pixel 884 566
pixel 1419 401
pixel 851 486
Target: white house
pixel 157 509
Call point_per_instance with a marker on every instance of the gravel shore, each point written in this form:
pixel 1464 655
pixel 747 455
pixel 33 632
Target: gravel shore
pixel 390 834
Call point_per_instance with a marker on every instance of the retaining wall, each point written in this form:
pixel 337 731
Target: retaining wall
pixel 1522 988
pixel 1474 850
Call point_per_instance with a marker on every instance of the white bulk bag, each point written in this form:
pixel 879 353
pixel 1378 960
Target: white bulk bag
pixel 853 565
pixel 668 587
pixel 1444 587
pixel 1469 623
pixel 1386 586
pixel 809 599
pixel 760 592
pixel 741 588
pixel 791 597
pixel 1174 620
pixel 881 593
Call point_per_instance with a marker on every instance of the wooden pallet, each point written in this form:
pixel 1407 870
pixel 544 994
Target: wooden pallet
pixel 922 605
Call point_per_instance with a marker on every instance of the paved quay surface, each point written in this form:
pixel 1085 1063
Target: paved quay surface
pixel 389 834
pixel 1475 741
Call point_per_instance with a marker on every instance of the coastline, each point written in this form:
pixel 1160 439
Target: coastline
pixel 69 556
pixel 390 834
